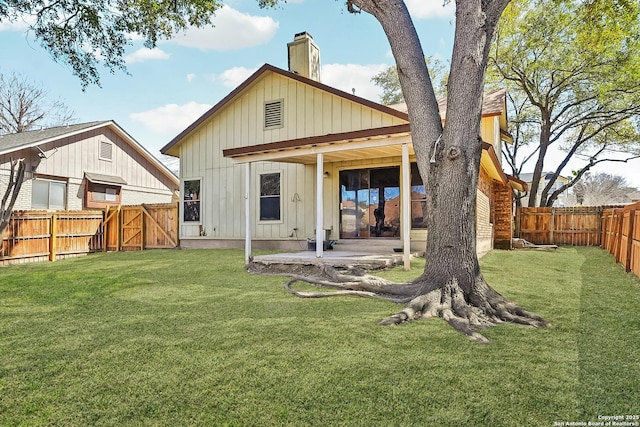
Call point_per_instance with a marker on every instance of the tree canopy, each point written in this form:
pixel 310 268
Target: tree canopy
pixel 389 82
pixel 87 34
pixel 573 73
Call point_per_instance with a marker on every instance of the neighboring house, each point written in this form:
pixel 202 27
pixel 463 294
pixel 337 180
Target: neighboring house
pixel 284 158
pixel 84 166
pixel 561 201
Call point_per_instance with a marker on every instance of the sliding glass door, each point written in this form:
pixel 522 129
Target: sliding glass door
pixel 370 203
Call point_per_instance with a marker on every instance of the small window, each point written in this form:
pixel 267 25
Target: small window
pixel 273 117
pixel 102 195
pixel 270 197
pixel 418 199
pixel 51 195
pixel 191 201
pixel 106 151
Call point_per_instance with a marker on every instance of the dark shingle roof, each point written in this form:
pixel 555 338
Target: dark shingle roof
pixel 15 141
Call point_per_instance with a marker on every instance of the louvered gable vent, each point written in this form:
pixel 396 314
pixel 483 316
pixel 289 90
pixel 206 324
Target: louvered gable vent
pixel 106 150
pixel 273 114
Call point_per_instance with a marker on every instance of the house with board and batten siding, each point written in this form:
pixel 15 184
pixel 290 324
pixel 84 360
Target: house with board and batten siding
pixel 84 166
pixel 284 158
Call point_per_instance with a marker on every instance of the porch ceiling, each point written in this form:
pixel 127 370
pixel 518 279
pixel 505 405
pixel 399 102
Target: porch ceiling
pixel 334 147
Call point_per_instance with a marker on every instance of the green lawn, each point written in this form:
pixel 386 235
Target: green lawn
pixel 188 338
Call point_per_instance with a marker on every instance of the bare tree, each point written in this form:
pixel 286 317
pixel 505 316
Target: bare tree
pixel 25 106
pixel 601 189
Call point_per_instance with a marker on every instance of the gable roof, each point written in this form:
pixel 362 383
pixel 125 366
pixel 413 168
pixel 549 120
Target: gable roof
pixel 16 141
pixel 493 104
pixel 19 141
pixel 267 68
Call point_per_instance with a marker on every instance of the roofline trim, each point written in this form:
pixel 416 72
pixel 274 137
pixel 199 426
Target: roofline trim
pixel 314 140
pixel 254 77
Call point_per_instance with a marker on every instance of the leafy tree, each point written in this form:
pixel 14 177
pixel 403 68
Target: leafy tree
pixel 601 189
pixel 572 70
pixel 84 34
pixel 388 80
pixel 451 285
pixel 24 106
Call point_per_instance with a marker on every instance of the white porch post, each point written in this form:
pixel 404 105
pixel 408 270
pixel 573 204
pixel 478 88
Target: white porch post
pixel 319 204
pixel 406 207
pixel 247 214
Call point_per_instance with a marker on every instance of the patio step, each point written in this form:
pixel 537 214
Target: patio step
pixel 368 245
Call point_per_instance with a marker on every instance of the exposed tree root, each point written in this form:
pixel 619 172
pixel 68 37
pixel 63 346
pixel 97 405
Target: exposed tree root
pixel 466 312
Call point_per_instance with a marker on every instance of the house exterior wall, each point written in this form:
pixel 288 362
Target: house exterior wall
pixel 484 226
pixel 69 158
pixel 308 111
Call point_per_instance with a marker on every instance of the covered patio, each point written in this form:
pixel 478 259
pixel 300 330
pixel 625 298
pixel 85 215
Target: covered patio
pixel 392 141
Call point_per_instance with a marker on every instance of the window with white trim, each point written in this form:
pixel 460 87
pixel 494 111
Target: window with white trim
pixel 191 200
pixel 270 197
pixel 48 194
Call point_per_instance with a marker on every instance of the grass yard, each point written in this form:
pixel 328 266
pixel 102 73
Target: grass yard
pixel 188 338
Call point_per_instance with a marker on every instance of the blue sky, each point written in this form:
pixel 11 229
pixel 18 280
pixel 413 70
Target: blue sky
pixel 171 86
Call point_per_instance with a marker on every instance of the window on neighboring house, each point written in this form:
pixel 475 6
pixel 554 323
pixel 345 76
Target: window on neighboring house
pixel 418 199
pixel 191 201
pixel 106 151
pixel 270 197
pixel 273 116
pixel 48 194
pixel 101 195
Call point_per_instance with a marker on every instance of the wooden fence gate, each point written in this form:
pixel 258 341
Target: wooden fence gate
pixel 134 228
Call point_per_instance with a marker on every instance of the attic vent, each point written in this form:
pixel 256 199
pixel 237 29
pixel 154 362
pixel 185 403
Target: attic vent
pixel 273 117
pixel 106 150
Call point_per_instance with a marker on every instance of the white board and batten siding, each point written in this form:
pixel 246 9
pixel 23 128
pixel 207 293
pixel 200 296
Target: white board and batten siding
pixel 307 111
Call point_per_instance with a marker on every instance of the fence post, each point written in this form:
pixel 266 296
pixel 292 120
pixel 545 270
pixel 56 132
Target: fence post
pixel 52 237
pixel 552 225
pixel 627 262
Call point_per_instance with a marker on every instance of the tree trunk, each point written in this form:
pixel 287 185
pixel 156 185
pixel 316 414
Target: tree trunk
pixel 538 169
pixel 16 178
pixel 451 286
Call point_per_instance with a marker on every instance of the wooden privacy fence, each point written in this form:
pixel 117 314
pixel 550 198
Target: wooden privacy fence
pixel 575 226
pixel 621 235
pixel 43 235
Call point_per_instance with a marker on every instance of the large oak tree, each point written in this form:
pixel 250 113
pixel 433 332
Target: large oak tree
pixel 573 72
pixel 451 286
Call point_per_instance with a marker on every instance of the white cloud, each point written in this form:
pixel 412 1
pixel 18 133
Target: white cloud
pixel 425 9
pixel 20 24
pixel 233 76
pixel 232 30
pixel 191 77
pixel 347 77
pixel 170 118
pixel 144 54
